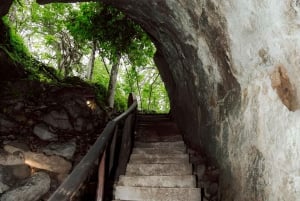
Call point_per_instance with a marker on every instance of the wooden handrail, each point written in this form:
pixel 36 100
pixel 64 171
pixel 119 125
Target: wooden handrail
pixel 71 185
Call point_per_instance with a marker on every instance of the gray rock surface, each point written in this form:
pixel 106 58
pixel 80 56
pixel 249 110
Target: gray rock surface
pixel 58 119
pixel 21 171
pixel 3 187
pixel 61 177
pixel 199 171
pixel 32 189
pixel 6 125
pixel 6 175
pixel 11 159
pixel 212 189
pixel 79 124
pixel 12 174
pixel 65 150
pixel 12 147
pixel 42 131
pixel 51 163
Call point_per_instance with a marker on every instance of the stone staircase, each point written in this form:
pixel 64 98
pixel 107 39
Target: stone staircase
pixel 159 168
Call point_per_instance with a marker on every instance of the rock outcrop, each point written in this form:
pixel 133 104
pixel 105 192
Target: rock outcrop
pixel 27 172
pixel 48 111
pixel 231 71
pixel 45 130
pixel 32 189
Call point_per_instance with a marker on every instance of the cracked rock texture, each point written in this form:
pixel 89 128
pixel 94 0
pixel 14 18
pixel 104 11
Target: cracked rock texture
pixel 32 189
pixel 231 69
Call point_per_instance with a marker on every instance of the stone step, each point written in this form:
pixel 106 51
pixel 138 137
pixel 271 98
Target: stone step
pixel 174 150
pixel 159 158
pixel 170 138
pixel 152 117
pixel 158 169
pixel 157 194
pixel 179 144
pixel 184 181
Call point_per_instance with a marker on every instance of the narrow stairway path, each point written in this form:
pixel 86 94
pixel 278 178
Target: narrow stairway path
pixel 159 168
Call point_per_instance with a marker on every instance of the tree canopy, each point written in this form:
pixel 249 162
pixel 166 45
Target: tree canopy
pixel 92 41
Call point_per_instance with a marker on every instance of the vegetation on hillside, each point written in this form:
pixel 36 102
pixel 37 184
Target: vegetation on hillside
pixel 92 41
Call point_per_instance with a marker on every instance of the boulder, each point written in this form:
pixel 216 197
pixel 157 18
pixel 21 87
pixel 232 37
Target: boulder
pixel 74 107
pixel 51 163
pixel 42 131
pixel 58 119
pixel 12 147
pixel 11 159
pixel 65 150
pixel 3 187
pixel 21 171
pixel 12 174
pixel 6 125
pixel 32 189
pixel 6 176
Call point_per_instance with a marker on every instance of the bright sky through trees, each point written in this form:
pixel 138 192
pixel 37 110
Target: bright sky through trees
pixel 84 40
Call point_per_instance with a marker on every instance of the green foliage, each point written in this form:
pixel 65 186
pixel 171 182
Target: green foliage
pixel 45 28
pixel 120 100
pixel 115 32
pixel 100 92
pixel 19 53
pixel 146 83
pixel 76 27
pixel 80 22
pixel 116 35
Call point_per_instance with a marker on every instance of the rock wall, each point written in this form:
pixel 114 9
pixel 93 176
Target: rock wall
pixel 264 149
pixel 231 70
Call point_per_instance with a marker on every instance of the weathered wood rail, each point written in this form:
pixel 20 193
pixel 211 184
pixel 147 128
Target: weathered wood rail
pixel 105 146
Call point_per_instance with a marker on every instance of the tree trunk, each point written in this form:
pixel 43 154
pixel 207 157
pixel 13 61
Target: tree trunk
pixel 150 91
pixel 91 61
pixel 113 82
pixel 138 87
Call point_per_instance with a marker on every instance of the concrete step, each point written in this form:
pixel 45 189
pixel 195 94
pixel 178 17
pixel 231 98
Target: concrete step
pixel 174 150
pixel 184 181
pixel 158 169
pixel 153 117
pixel 179 144
pixel 159 158
pixel 157 194
pixel 157 138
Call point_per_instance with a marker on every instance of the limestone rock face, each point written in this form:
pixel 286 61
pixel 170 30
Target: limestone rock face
pixel 231 69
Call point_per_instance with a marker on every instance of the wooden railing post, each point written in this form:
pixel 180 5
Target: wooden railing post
pixel 126 142
pixel 112 151
pixel 101 177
